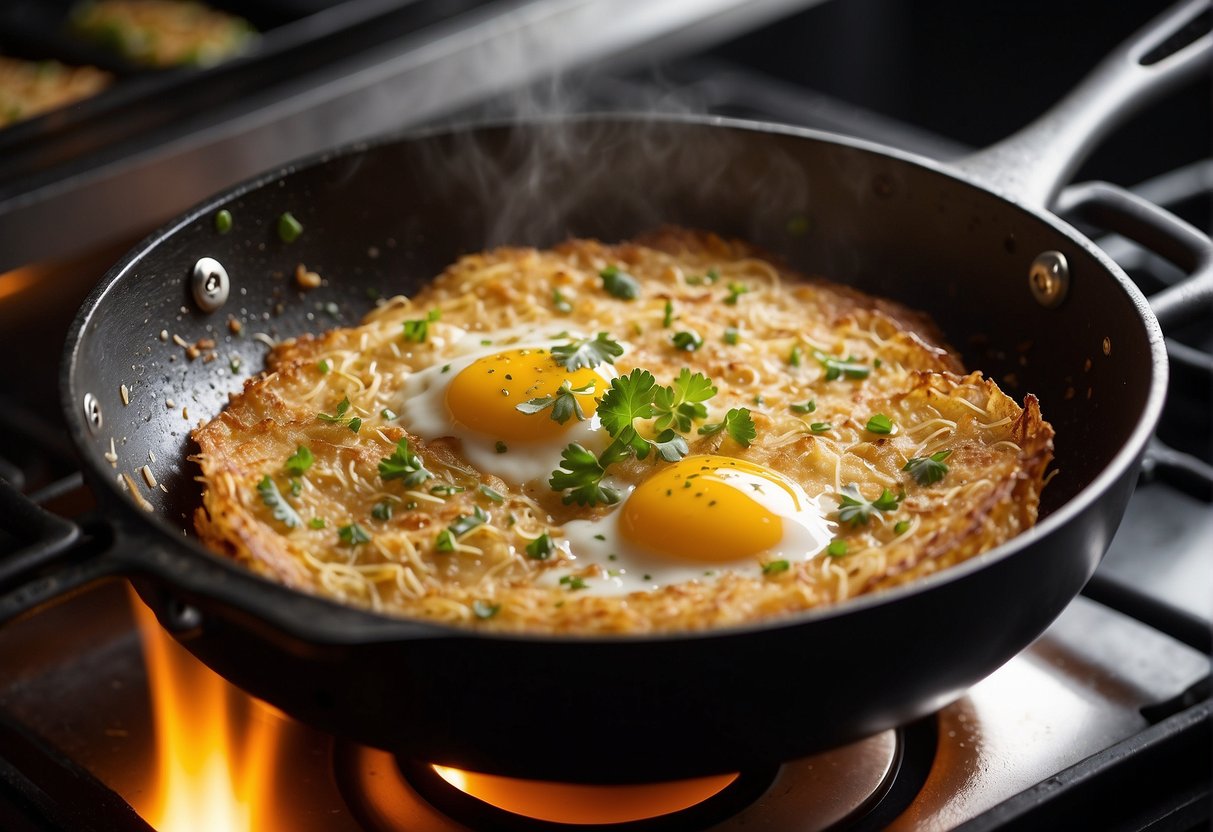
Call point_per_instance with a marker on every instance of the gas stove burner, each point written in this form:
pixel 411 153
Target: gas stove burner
pixel 853 787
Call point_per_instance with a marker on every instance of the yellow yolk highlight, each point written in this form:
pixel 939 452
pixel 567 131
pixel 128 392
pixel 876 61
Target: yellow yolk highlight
pixel 484 396
pixel 709 509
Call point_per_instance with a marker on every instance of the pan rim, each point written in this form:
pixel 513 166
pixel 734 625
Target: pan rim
pixel 372 626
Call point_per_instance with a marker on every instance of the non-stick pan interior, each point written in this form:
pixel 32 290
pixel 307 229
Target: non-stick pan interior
pixel 381 221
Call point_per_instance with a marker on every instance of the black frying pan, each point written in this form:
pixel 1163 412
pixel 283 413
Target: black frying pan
pixel 959 242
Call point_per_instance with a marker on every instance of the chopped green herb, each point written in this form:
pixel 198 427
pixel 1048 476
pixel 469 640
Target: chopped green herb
pixel 581 475
pixel 403 465
pixel 282 510
pixel 483 609
pixel 587 352
pixel 353 534
pixel 880 423
pixel 901 527
pixel 464 523
pixel 500 447
pixel 296 486
pixel 807 407
pixel 494 496
pixel 836 368
pixel 387 414
pixel 775 566
pixel 343 407
pixel 837 548
pixel 299 461
pixel 821 427
pixel 794 356
pixel 687 340
pixel 417 330
pixel 731 335
pixel 738 424
pixel 445 541
pixel 561 303
pixel 630 397
pixel 223 220
pixel 876 362
pixel 540 548
pixel 355 424
pixel 446 490
pixel 317 523
pixel 619 283
pixel 679 404
pixel 736 290
pixel 928 470
pixel 323 366
pixel 711 277
pixel 668 318
pixel 573 582
pixel 564 402
pixel 382 510
pixel 759 401
pixel 853 508
pixel 289 228
pixel 234 365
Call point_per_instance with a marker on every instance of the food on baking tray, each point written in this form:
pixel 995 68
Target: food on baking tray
pixel 163 32
pixel 30 88
pixel 668 434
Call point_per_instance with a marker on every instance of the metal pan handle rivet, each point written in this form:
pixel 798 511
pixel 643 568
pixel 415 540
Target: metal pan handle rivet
pixel 92 413
pixel 210 284
pixel 1049 278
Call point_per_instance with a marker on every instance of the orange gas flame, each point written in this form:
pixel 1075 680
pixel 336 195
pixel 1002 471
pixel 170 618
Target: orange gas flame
pixel 215 746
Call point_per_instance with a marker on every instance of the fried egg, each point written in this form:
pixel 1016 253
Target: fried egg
pixel 694 519
pixel 475 397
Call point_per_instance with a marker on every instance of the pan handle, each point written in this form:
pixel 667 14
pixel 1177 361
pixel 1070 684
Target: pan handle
pixel 1112 208
pixel 1033 164
pixel 56 557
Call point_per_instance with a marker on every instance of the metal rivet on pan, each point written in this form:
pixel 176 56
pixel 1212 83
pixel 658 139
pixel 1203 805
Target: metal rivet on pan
pixel 1049 278
pixel 92 412
pixel 210 284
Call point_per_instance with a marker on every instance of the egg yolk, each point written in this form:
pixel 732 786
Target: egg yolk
pixel 485 395
pixel 709 509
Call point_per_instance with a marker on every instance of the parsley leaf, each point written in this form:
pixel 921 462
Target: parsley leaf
pixel 630 397
pixel 581 475
pixel 317 523
pixel 669 314
pixel 837 548
pixel 682 402
pixel 687 340
pixel 494 496
pixel 445 541
pixel 587 352
pixel 775 566
pixel 382 510
pixel 339 416
pixel 619 283
pixel 540 548
pixel 836 368
pixel 731 335
pixel 299 461
pixel 670 446
pixel 404 465
pixel 283 512
pixel 563 402
pixel 854 509
pixel 927 470
pixel 738 424
pixel 821 427
pixel 807 407
pixel 794 356
pixel 901 527
pixel 353 534
pixel 573 582
pixel 736 290
pixel 446 490
pixel 880 423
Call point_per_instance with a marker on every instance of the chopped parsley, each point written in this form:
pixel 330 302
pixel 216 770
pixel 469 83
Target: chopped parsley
pixel 573 582
pixel 323 366
pixel 807 407
pixel 445 541
pixel 404 465
pixel 854 509
pixel 880 423
pixel 619 284
pixel 630 397
pixel 794 356
pixel 687 340
pixel 299 461
pixel 679 404
pixel 668 318
pixel 484 609
pixel 711 277
pixel 418 330
pixel 540 548
pixel 223 220
pixel 774 567
pixel 464 523
pixel 821 427
pixel 736 290
pixel 296 486
pixel 387 414
pixel 382 510
pixel 927 470
pixel 561 303
pixel 738 424
pixel 289 228
pixel 837 548
pixel 587 352
pixel 354 424
pixel 338 416
pixel 837 368
pixel 563 402
pixel 353 534
pixel 901 527
pixel 282 510
pixel 494 496
pixel 446 490
pixel 731 335
pixel 317 523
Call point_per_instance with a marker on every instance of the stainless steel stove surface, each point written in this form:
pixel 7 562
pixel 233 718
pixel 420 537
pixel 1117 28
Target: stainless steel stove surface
pixel 1103 723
